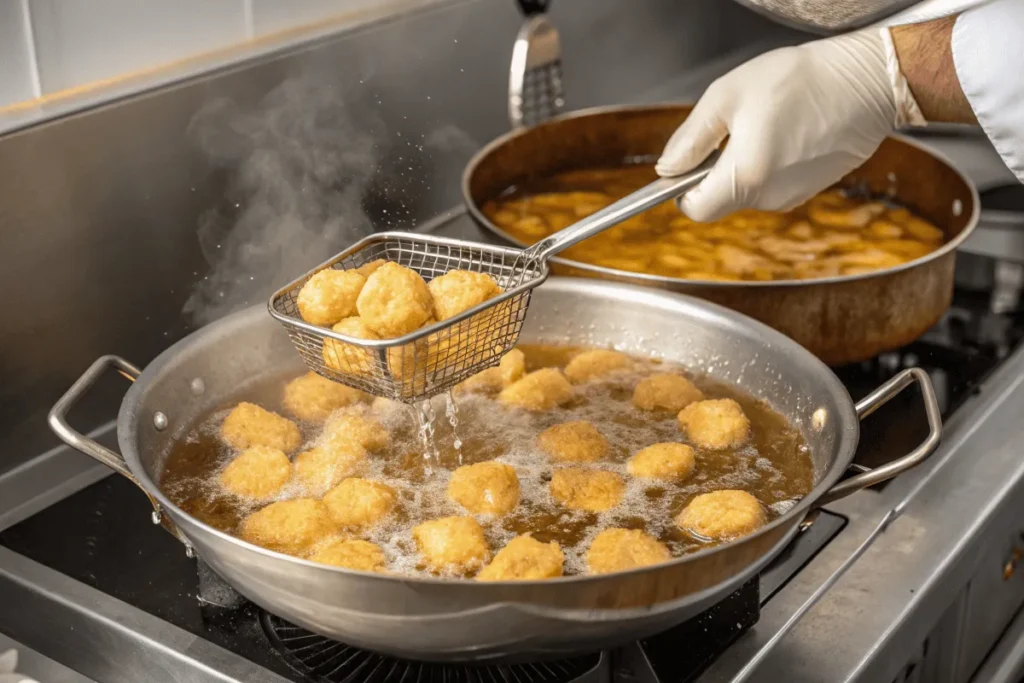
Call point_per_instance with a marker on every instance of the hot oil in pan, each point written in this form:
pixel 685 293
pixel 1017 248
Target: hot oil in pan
pixel 775 466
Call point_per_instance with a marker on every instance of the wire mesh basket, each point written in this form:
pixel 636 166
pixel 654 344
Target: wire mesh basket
pixel 430 360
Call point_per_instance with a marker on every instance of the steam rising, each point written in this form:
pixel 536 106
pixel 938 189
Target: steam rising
pixel 298 165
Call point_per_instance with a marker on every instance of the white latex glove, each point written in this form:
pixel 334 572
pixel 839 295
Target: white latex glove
pixel 798 119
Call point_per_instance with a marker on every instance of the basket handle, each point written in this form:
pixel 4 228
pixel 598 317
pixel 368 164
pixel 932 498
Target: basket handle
pixel 873 402
pixel 645 198
pixel 58 420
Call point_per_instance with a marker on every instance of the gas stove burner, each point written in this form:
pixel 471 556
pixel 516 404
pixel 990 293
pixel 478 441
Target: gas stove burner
pixel 322 660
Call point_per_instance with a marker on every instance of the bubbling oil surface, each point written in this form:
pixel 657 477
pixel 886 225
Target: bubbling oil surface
pixel 775 465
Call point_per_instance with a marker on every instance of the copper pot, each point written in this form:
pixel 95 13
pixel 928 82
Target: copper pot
pixel 839 319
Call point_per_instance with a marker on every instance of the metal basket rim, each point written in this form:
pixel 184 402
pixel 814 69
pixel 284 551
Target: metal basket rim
pixel 415 335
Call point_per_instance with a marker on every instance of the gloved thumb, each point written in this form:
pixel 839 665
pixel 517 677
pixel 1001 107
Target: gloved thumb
pixel 698 136
pixel 715 196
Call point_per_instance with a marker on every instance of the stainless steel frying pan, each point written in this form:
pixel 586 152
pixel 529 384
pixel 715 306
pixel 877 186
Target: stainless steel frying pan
pixel 456 619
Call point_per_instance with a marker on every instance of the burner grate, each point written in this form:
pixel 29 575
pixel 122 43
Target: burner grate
pixel 327 661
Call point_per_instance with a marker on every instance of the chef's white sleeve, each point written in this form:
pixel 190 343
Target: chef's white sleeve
pixel 988 51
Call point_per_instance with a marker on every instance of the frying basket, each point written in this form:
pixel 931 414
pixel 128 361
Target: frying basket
pixel 425 362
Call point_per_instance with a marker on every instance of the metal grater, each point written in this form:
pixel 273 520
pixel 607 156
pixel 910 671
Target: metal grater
pixel 535 77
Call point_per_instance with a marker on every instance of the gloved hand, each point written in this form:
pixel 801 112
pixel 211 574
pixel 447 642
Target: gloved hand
pixel 798 119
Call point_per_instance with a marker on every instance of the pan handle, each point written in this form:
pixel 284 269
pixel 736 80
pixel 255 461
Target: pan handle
pixel 58 419
pixel 870 404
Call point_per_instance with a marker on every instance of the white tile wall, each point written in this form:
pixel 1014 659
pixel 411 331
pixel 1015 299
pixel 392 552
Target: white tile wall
pixel 80 41
pixel 17 73
pixel 51 45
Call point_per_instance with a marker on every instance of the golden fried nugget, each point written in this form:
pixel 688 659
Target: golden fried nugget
pixel 351 553
pixel 355 425
pixel 577 441
pixel 452 544
pixel 619 550
pixel 368 269
pixel 359 502
pixel 289 526
pixel 416 364
pixel 716 424
pixel 342 357
pixel 395 301
pixel 596 364
pixel 524 559
pixel 722 515
pixel 511 368
pixel 591 490
pixel 460 290
pixel 329 296
pixel 665 461
pixel 249 425
pixel 538 391
pixel 665 391
pixel 260 472
pixel 313 398
pixel 487 381
pixel 485 488
pixel 322 467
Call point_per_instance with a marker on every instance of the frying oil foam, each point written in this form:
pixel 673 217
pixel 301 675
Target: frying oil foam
pixel 490 431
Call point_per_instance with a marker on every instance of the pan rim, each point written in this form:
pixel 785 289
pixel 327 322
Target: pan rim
pixel 847 438
pixel 661 280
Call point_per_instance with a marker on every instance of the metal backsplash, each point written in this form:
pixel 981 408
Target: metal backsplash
pixel 111 217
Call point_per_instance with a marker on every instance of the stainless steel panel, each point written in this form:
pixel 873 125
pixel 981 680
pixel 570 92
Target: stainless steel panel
pixel 996 593
pixel 1006 662
pixel 82 42
pixel 112 216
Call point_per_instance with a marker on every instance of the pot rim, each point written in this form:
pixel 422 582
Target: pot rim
pixel 847 437
pixel 667 282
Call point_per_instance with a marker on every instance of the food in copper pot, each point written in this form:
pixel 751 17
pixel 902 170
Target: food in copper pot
pixel 833 234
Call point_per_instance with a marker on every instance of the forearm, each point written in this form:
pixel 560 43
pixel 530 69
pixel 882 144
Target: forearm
pixel 926 60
